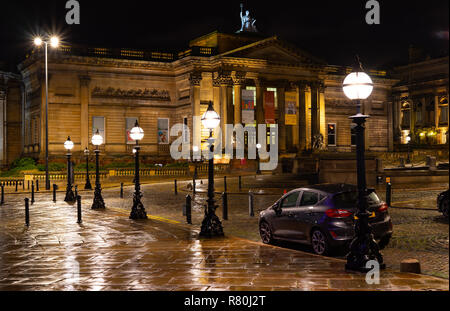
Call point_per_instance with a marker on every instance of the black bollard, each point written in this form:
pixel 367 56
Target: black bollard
pixel 176 190
pixel 37 185
pixel 27 212
pixel 32 193
pixel 193 186
pixel 23 185
pixel 54 193
pixel 189 209
pixel 225 183
pixel 28 185
pixel 225 206
pixel 79 209
pixel 240 183
pixel 388 193
pixel 251 203
pixel 121 190
pixel 2 200
pixel 17 184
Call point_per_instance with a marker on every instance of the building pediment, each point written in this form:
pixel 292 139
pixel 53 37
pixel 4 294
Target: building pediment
pixel 276 51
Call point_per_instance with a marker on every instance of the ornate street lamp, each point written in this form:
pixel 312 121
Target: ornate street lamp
pixel 70 197
pixel 88 185
pixel 211 225
pixel 54 42
pixel 408 141
pixel 358 86
pixel 97 140
pixel 138 210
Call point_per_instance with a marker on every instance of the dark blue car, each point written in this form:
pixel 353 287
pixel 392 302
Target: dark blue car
pixel 323 216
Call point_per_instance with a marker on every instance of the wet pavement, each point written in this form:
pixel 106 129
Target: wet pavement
pixel 110 252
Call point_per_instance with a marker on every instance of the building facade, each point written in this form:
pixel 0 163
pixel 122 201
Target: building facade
pixel 421 103
pixel 11 116
pixel 249 78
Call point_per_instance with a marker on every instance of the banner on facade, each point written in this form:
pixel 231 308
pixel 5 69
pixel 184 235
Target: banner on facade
pixel 163 131
pixel 291 108
pixel 248 106
pixel 269 107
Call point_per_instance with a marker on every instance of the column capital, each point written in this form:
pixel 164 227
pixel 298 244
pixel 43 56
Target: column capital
pixel 223 78
pixel 85 80
pixel 195 78
pixel 239 78
pixel 302 85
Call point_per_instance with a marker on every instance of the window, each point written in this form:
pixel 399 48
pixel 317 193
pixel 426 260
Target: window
pixel 290 200
pixel 418 111
pixel 98 123
pixel 130 123
pixel 406 115
pixel 309 198
pixel 331 134
pixel 163 131
pixel 353 133
pixel 443 111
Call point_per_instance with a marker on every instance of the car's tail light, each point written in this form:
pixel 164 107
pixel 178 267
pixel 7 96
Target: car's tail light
pixel 338 213
pixel 383 207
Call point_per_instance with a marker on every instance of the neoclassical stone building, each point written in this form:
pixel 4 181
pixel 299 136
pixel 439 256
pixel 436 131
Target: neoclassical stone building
pixel 250 79
pixel 421 102
pixel 11 116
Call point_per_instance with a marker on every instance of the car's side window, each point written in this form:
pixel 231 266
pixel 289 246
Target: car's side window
pixel 309 198
pixel 290 200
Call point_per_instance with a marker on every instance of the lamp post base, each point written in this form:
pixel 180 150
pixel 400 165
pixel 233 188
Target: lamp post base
pixel 138 211
pixel 211 225
pixel 70 196
pixel 363 248
pixel 98 199
pixel 88 186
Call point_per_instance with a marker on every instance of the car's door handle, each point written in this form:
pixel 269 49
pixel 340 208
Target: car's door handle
pixel 291 215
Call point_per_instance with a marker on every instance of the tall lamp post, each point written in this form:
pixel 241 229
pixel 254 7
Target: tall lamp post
pixel 258 161
pixel 70 197
pixel 54 42
pixel 211 225
pixel 88 185
pixel 138 210
pixel 408 141
pixel 196 161
pixel 97 140
pixel 363 248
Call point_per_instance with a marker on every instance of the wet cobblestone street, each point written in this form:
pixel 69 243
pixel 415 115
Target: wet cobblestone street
pixel 110 252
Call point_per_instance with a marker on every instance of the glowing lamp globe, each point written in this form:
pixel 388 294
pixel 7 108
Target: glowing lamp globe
pixel 86 152
pixel 210 118
pixel 408 139
pixel 195 149
pixel 54 42
pixel 136 132
pixel 68 144
pixel 358 85
pixel 97 139
pixel 38 41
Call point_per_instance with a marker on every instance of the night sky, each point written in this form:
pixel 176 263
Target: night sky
pixel 332 30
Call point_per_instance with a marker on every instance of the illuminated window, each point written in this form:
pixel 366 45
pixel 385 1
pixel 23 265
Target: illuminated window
pixel 443 111
pixel 332 134
pixel 406 115
pixel 272 89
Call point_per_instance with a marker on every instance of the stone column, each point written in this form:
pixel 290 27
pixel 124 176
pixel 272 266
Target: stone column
pixel 216 102
pixel 391 125
pixel 224 81
pixel 322 111
pixel 302 116
pixel 84 116
pixel 315 110
pixel 281 119
pixel 238 81
pixel 195 79
pixel 260 117
pixel 3 113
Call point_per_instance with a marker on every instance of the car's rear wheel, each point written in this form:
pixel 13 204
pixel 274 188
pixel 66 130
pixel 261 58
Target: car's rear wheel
pixel 266 233
pixel 320 243
pixel 384 241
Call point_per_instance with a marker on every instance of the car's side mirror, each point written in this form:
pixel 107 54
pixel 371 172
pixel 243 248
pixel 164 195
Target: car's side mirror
pixel 277 208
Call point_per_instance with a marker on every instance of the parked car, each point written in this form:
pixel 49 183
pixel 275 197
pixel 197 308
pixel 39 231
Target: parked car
pixel 442 203
pixel 323 216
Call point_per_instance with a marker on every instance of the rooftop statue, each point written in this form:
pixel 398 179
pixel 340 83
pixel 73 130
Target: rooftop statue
pixel 248 23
